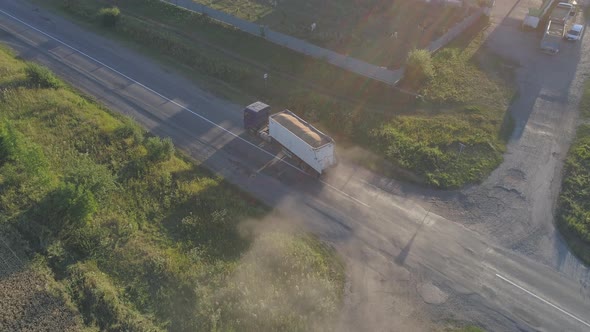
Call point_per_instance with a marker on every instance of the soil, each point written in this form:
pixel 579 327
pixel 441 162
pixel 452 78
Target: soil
pixel 27 304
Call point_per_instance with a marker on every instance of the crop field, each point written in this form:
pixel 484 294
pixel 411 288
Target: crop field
pixel 377 31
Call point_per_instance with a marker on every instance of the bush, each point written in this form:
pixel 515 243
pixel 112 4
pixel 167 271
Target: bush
pixel 109 16
pixel 68 207
pixel 129 130
pixel 419 67
pixel 96 178
pixel 41 77
pixel 159 149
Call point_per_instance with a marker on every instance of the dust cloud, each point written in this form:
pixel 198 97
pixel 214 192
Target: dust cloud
pixel 287 280
pixel 278 281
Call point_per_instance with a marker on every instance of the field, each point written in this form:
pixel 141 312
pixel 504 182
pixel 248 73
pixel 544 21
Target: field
pixel 361 29
pixel 464 103
pixel 573 213
pixel 31 299
pixel 133 234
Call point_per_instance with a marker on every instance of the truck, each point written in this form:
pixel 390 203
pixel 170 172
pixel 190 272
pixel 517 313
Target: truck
pixel 552 37
pixel 558 13
pixel 562 12
pixel 312 150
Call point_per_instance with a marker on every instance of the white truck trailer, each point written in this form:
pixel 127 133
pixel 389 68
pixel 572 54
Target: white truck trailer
pixel 309 147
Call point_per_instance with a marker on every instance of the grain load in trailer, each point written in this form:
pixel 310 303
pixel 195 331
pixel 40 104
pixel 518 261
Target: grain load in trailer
pixel 307 143
pixel 300 129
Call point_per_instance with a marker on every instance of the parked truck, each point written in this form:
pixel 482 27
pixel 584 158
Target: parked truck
pixel 552 37
pixel 311 149
pixel 562 12
pixel 558 13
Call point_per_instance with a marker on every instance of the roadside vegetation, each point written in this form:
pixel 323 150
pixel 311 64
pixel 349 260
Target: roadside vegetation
pixel 573 212
pixel 135 235
pixel 469 329
pixel 452 136
pixel 362 29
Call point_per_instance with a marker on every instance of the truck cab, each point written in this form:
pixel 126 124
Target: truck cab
pixel 256 116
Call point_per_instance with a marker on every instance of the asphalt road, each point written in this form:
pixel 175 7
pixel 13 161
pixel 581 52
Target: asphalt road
pixel 407 266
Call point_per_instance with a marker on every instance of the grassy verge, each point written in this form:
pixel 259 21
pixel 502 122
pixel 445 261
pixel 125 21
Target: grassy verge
pixel 222 52
pixel 458 326
pixel 469 329
pixel 138 236
pixel 363 29
pixel 456 136
pixel 573 212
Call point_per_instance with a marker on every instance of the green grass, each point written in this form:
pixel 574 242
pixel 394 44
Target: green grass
pixel 463 105
pixel 248 10
pixel 138 236
pixel 585 102
pixel 458 326
pixel 469 329
pixel 224 53
pixel 573 211
pixel 362 29
pixel 465 101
